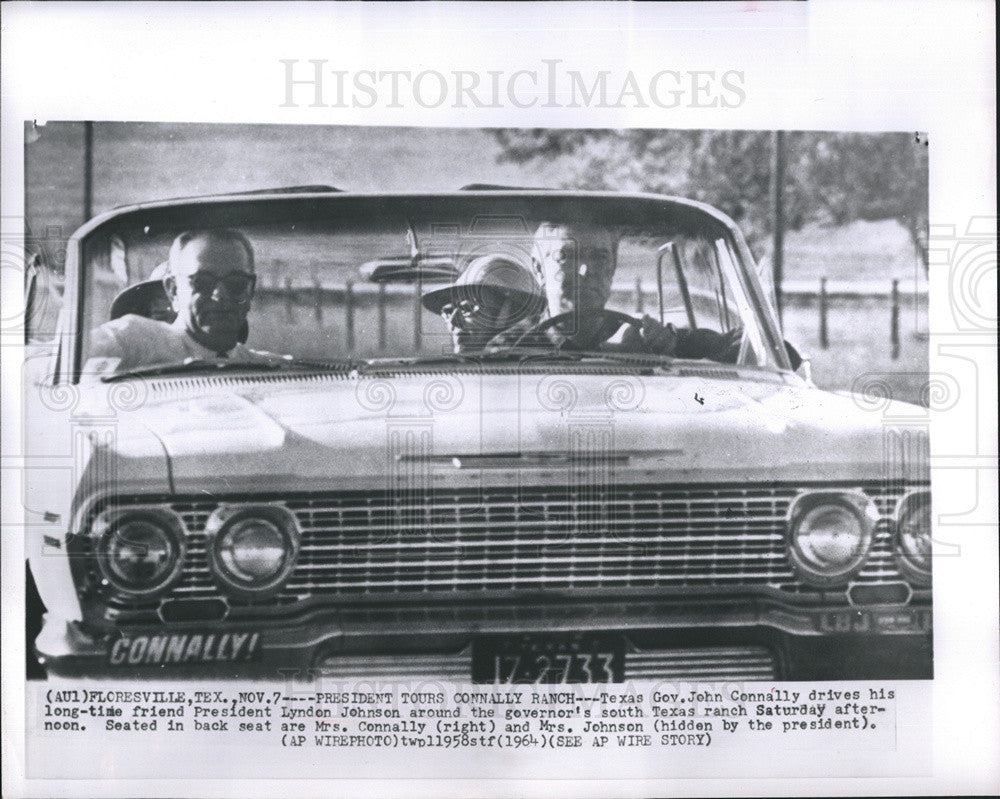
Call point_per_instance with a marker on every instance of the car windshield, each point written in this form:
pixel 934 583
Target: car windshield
pixel 356 280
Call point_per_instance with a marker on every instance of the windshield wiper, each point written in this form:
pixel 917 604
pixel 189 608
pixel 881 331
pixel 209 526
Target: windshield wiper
pixel 584 356
pixel 448 359
pixel 644 358
pixel 223 364
pixel 515 355
pixel 474 357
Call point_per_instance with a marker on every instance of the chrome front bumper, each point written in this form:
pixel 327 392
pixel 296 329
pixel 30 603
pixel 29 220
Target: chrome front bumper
pixel 709 640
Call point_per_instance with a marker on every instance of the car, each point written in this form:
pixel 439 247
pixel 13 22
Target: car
pixel 367 496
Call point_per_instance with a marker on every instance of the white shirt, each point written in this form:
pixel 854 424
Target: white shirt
pixel 132 342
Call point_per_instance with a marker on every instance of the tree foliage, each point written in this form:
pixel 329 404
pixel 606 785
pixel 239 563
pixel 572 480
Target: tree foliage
pixel 830 178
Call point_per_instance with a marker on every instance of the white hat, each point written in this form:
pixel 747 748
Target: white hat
pixel 496 272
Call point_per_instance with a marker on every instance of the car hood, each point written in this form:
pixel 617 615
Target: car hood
pixel 291 433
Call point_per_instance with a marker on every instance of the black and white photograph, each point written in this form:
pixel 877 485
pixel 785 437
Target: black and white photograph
pixel 571 433
pixel 499 399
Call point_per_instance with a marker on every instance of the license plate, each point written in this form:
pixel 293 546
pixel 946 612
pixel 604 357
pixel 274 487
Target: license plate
pixel 549 659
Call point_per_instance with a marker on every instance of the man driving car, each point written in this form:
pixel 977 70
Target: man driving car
pixel 210 281
pixel 575 264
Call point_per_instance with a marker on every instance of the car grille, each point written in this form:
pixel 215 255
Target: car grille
pixel 475 542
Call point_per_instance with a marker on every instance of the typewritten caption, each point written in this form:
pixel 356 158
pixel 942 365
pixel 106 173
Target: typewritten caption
pixel 477 717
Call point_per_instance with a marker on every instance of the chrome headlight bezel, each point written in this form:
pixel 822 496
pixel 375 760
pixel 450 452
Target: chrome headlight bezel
pixel 854 506
pixel 909 563
pixel 110 522
pixel 225 521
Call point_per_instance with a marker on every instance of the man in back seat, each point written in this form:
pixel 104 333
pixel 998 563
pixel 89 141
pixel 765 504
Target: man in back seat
pixel 210 282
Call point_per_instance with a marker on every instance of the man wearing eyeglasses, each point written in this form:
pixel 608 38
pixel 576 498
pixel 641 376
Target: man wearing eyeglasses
pixel 210 281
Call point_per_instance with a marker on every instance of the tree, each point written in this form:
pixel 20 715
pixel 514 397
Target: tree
pixel 831 178
pixel 870 176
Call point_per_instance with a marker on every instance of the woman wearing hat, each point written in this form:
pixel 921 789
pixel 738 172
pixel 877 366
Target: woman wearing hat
pixel 493 294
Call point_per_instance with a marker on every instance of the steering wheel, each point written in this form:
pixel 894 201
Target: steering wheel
pixel 610 323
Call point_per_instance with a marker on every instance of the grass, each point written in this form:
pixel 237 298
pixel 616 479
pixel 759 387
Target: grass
pixel 858 251
pixel 860 345
pixel 134 162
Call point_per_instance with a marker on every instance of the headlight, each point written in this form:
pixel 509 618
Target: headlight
pixel 830 534
pixel 913 535
pixel 252 549
pixel 140 552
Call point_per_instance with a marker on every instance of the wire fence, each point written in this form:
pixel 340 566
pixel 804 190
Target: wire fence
pixel 370 317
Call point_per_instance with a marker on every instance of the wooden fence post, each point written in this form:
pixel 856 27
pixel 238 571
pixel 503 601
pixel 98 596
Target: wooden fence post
pixel 317 300
pixel 824 340
pixel 894 320
pixel 349 314
pixel 289 300
pixel 381 317
pixel 88 170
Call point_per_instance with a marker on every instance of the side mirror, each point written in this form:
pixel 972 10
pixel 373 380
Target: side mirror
pixel 43 295
pixel 805 370
pixel 793 356
pixel 800 363
pixel 32 267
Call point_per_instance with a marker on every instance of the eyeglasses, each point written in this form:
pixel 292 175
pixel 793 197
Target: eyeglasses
pixel 239 286
pixel 484 306
pixel 460 313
